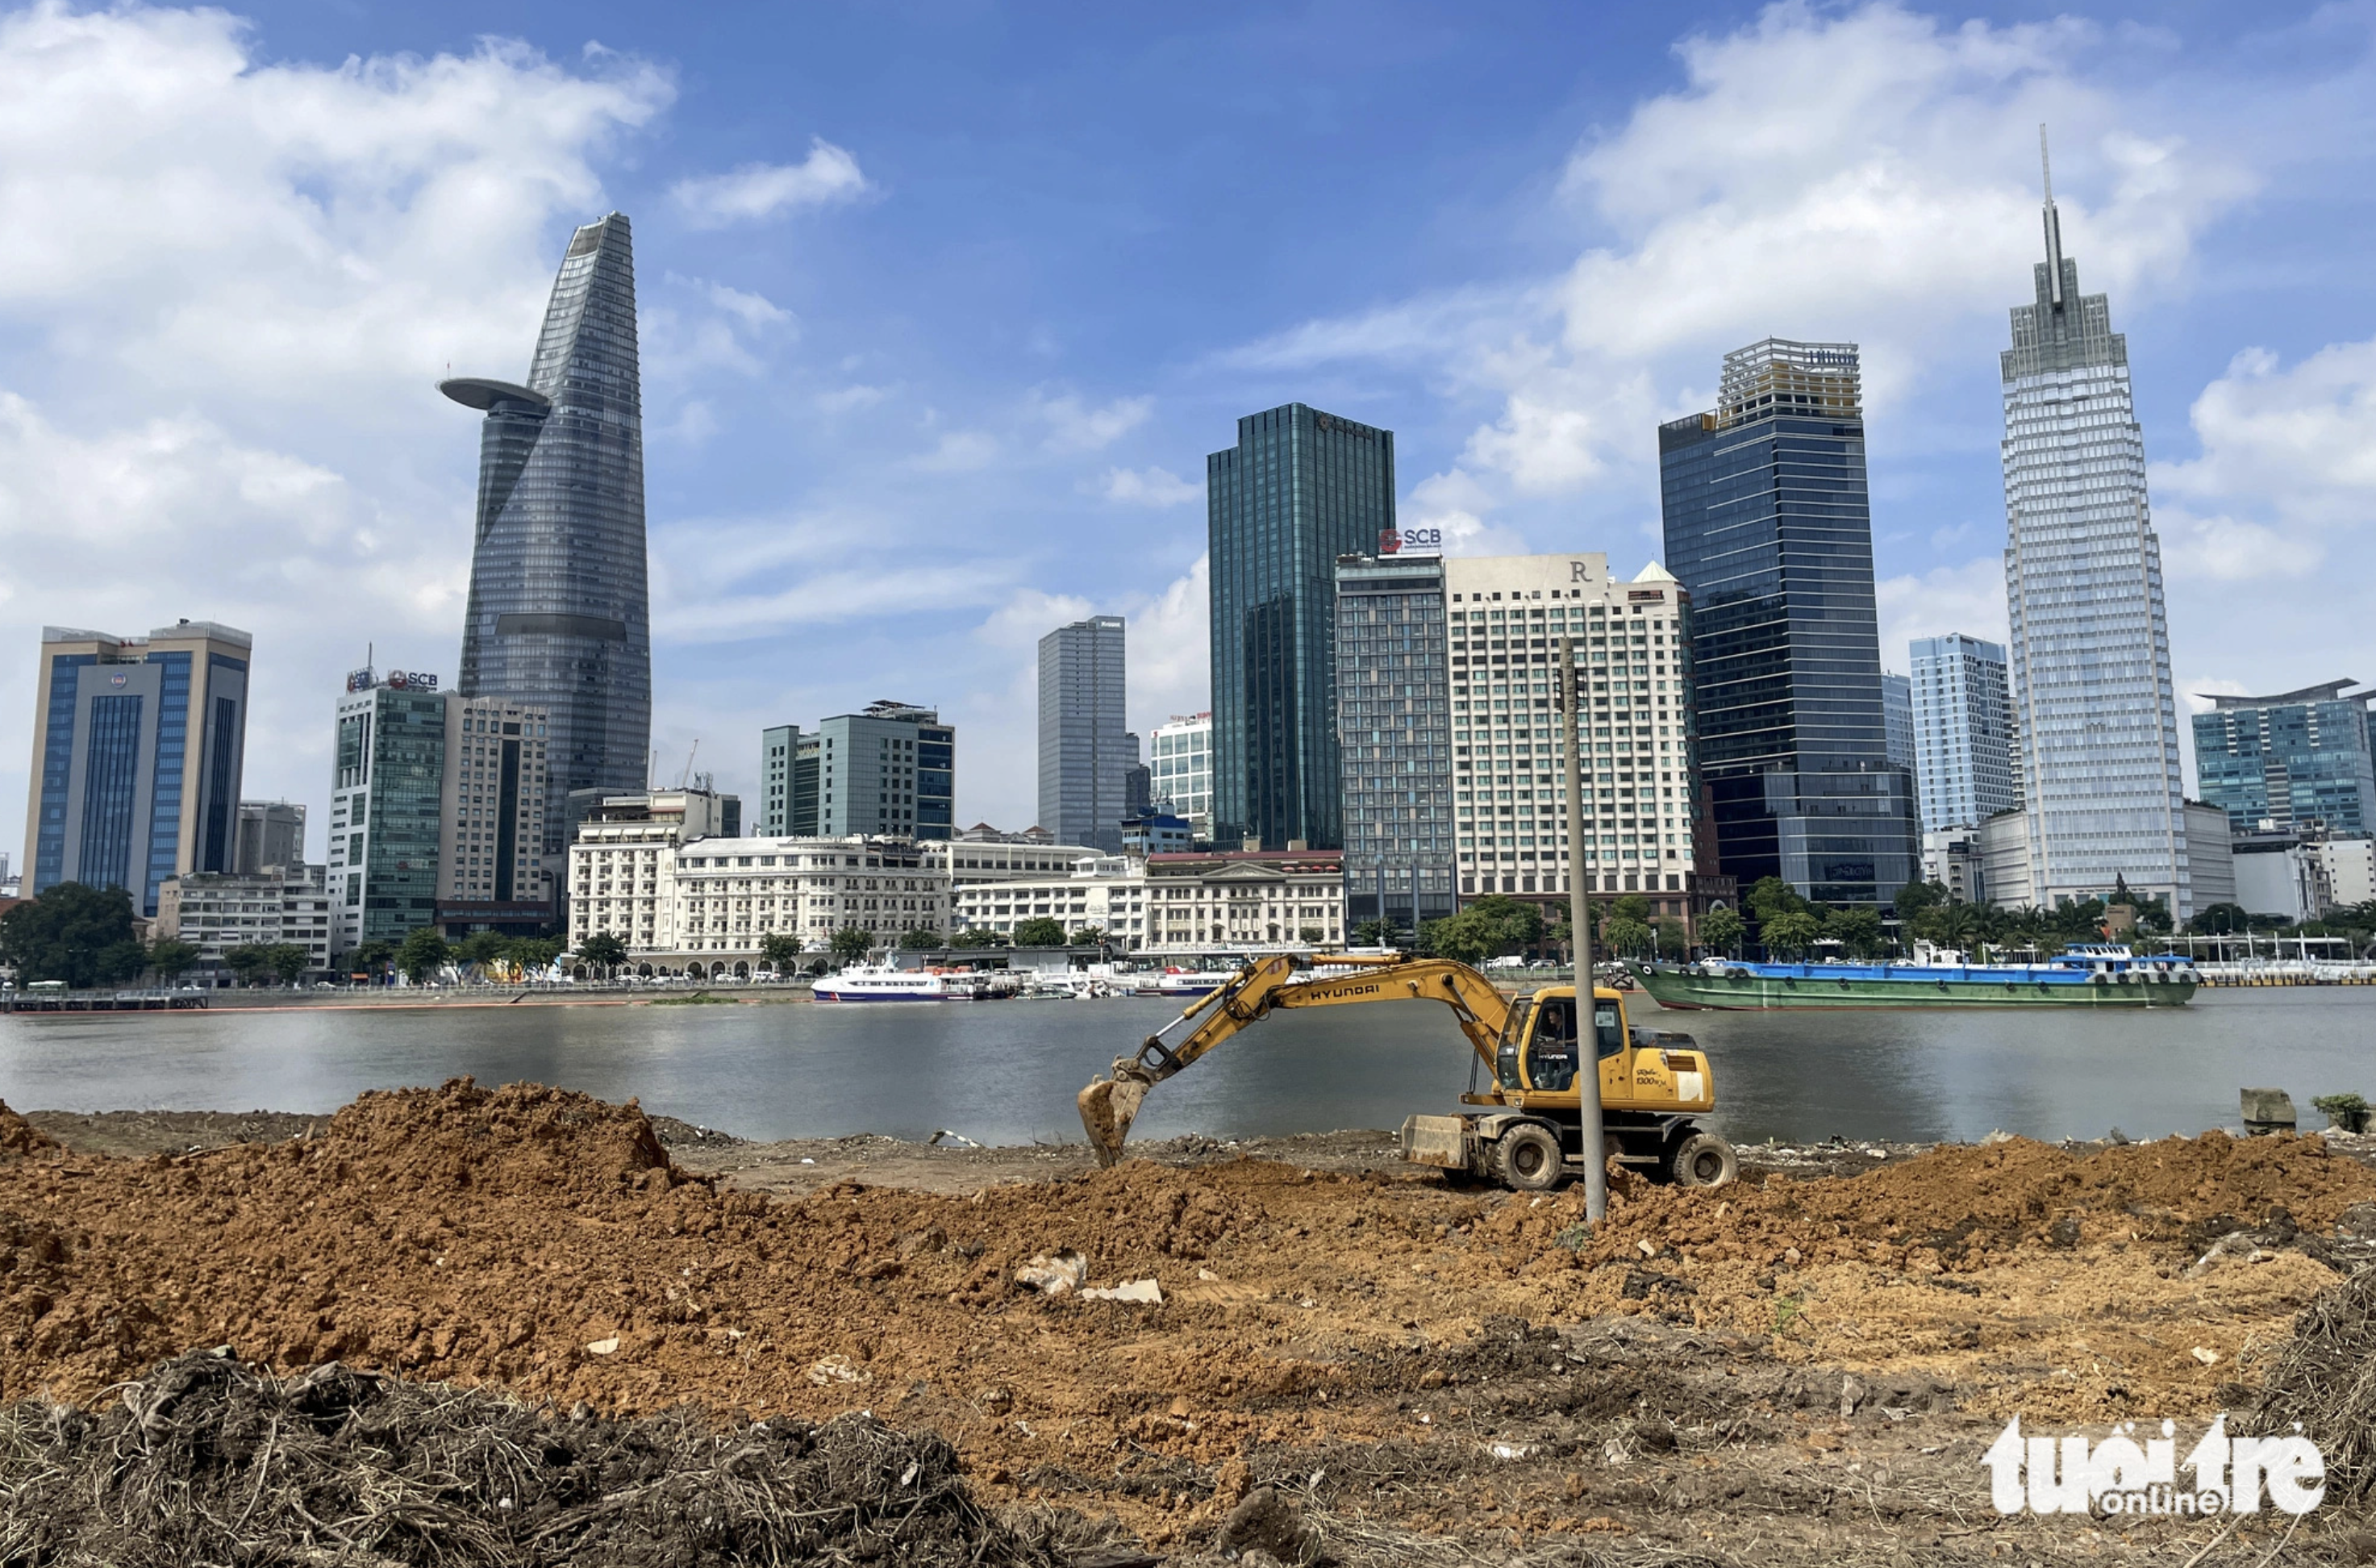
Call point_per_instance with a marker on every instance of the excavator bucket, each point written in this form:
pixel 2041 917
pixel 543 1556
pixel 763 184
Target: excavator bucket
pixel 1109 1105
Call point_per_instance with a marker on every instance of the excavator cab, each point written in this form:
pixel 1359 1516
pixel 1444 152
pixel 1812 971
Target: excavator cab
pixel 1540 1051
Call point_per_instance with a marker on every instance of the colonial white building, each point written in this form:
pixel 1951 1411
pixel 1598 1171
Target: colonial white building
pixel 677 898
pixel 1245 900
pixel 1176 904
pixel 1108 892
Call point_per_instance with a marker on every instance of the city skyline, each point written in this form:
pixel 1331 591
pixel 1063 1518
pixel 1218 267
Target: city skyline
pixel 279 464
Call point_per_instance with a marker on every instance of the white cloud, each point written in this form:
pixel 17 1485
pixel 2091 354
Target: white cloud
pixel 2288 467
pixel 843 400
pixel 304 233
pixel 1454 503
pixel 1865 174
pixel 754 311
pixel 1029 614
pixel 310 248
pixel 1142 487
pixel 959 451
pixel 827 175
pixel 2225 548
pixel 1170 649
pixel 1073 426
pixel 1968 597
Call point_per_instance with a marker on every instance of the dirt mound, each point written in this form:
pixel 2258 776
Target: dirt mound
pixel 1955 1207
pixel 207 1460
pixel 541 1241
pixel 20 1137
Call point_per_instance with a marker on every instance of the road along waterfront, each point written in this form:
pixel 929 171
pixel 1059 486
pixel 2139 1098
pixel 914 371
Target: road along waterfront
pixel 1006 1072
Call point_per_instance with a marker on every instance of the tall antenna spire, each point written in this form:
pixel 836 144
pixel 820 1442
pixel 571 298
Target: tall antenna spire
pixel 2053 224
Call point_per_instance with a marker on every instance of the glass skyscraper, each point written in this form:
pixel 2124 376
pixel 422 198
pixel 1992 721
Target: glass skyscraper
pixel 2298 759
pixel 1394 729
pixel 1768 525
pixel 1300 489
pixel 1085 748
pixel 1963 731
pixel 139 748
pixel 2095 718
pixel 387 808
pixel 558 616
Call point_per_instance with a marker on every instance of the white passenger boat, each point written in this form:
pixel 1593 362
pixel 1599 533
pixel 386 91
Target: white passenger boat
pixel 1194 982
pixel 870 982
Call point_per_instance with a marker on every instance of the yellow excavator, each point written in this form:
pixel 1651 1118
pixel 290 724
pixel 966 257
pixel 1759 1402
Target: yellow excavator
pixel 1652 1086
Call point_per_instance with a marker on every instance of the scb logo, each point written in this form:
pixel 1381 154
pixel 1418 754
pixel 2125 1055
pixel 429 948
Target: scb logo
pixel 1410 541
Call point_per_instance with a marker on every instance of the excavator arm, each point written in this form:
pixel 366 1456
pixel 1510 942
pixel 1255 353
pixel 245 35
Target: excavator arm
pixel 1109 1105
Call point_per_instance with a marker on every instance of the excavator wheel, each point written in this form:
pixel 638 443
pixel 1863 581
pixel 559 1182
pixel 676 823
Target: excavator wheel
pixel 1702 1159
pixel 1527 1158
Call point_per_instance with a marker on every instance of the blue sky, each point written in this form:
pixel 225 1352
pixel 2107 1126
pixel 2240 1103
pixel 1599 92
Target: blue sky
pixel 944 307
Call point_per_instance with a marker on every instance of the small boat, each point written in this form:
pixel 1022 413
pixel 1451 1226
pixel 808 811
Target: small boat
pixel 1192 982
pixel 2083 975
pixel 875 982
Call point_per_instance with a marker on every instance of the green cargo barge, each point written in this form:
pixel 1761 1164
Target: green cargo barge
pixel 2087 975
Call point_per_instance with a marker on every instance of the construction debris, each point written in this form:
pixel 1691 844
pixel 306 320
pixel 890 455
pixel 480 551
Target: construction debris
pixel 1053 1274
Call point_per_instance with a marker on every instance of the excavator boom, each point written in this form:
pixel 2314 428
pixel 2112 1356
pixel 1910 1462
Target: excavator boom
pixel 1109 1105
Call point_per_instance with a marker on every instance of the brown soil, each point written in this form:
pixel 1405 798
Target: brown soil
pixel 1428 1373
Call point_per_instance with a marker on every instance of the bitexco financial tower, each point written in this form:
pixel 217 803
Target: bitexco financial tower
pixel 559 616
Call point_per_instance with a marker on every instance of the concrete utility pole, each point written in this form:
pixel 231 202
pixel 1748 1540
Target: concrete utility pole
pixel 1579 919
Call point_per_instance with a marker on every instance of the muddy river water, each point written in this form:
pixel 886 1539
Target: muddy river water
pixel 1007 1071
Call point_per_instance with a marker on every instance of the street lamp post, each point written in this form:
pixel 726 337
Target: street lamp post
pixel 1579 919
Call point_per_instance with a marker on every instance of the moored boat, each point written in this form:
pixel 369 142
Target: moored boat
pixel 1192 982
pixel 2083 975
pixel 875 982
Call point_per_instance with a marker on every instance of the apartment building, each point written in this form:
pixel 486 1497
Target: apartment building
pixel 216 911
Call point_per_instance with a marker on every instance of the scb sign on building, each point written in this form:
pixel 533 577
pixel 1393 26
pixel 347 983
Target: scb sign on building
pixel 1410 541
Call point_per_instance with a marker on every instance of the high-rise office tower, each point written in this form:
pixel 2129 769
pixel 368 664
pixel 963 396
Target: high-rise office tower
pixel 387 808
pixel 1180 764
pixel 1393 730
pixel 492 794
pixel 139 745
pixel 2299 759
pixel 1963 731
pixel 779 747
pixel 1769 525
pixel 891 769
pixel 1086 747
pixel 272 833
pixel 558 617
pixel 1898 719
pixel 1300 489
pixel 2095 718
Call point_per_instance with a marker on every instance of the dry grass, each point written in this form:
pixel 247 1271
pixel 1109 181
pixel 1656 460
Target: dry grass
pixel 2326 1378
pixel 208 1461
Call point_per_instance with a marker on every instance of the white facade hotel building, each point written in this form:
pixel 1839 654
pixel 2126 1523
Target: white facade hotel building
pixel 1507 614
